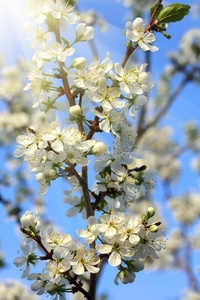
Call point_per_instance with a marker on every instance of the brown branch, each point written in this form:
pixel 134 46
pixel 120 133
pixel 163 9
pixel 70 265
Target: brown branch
pixel 49 255
pixel 93 48
pixel 167 106
pixel 70 97
pixel 179 151
pixel 187 264
pixel 84 185
pixel 37 239
pixel 153 15
pixel 131 49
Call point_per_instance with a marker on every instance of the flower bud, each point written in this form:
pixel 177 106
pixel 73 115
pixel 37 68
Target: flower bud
pixel 143 216
pixel 99 148
pixel 28 219
pixel 75 111
pixel 150 212
pixel 50 174
pixel 84 33
pixel 135 266
pixel 78 63
pixel 153 228
pixel 126 277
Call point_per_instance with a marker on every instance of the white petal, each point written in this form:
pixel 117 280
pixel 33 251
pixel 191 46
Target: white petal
pixel 35 286
pixel 19 152
pixel 19 261
pixel 72 212
pixel 114 259
pixel 57 146
pixel 78 269
pixel 25 248
pixel 92 269
pixel 91 221
pixel 26 272
pixel 103 249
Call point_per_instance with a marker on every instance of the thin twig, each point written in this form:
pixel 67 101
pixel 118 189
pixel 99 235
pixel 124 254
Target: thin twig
pixel 129 51
pixel 167 106
pixel 49 255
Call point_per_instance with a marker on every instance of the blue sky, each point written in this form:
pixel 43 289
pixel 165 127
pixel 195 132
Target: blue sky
pixel 151 285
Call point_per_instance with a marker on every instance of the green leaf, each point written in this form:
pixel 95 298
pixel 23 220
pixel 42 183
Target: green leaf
pixel 65 41
pixel 157 13
pixel 173 13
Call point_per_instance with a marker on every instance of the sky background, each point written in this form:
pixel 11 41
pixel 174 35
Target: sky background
pixel 148 285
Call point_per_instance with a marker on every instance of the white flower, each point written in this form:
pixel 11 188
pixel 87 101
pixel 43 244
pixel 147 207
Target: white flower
pixel 37 36
pixel 84 33
pixel 81 78
pixel 38 11
pixel 149 244
pixel 56 240
pixel 58 52
pixel 117 250
pixel 73 181
pixel 40 282
pixel 50 106
pixel 127 80
pixel 84 260
pixel 56 267
pixel 106 96
pixel 110 119
pixel 91 232
pixel 28 144
pixel 129 230
pixel 135 102
pixel 127 183
pixel 40 88
pixel 110 223
pixel 61 10
pixel 135 33
pixel 78 206
pixel 26 259
pixel 51 288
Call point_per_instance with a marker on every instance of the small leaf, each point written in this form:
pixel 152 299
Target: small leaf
pixel 157 13
pixel 167 35
pixel 65 41
pixel 173 13
pixel 128 44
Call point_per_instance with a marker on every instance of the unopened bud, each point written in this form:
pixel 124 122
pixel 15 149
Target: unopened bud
pixel 75 111
pixel 143 216
pixel 99 148
pixel 29 219
pixel 50 174
pixel 153 228
pixel 126 276
pixel 78 63
pixel 84 33
pixel 150 212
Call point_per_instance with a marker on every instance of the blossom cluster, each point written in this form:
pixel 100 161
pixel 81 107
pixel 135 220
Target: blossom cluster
pixel 48 148
pixel 125 240
pixel 15 290
pixel 55 151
